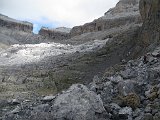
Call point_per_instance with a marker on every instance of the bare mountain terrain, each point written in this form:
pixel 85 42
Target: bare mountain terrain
pixel 111 67
pixel 29 60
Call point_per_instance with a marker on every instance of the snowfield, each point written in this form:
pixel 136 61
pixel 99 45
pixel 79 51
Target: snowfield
pixel 28 53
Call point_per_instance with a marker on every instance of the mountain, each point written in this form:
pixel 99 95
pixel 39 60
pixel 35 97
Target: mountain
pixel 58 33
pixel 125 12
pixel 20 32
pixel 106 74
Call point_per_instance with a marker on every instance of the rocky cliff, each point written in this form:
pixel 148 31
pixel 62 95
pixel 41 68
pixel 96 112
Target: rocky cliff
pixel 125 12
pixel 15 24
pixel 19 32
pixel 150 32
pixel 58 33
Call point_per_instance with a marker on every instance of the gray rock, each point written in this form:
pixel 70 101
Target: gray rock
pixel 48 98
pixel 3 103
pixel 114 106
pixel 115 79
pixel 125 113
pixel 107 92
pixel 14 102
pixel 148 109
pixel 136 113
pixel 156 53
pixel 16 110
pixel 140 117
pixel 126 87
pixel 96 79
pixel 78 103
pixel 129 73
pixel 41 108
pixel 157 116
pixel 148 116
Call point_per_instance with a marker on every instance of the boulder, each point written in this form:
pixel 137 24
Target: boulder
pixel 125 113
pixel 78 103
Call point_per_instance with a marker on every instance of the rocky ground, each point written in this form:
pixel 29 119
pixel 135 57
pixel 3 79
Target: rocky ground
pixel 125 71
pixel 127 91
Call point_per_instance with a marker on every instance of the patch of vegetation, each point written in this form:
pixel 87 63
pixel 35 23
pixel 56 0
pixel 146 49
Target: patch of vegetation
pixel 3 88
pixel 49 86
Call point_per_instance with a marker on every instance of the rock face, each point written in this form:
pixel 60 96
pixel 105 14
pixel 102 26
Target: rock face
pixel 150 32
pixel 15 24
pixel 125 12
pixel 19 32
pixel 58 33
pixel 78 103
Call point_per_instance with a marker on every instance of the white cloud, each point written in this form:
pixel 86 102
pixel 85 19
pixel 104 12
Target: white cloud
pixel 64 12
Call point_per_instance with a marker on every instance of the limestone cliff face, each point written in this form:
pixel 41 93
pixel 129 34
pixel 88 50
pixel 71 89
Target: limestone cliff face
pixel 125 12
pixel 15 24
pixel 150 33
pixel 59 33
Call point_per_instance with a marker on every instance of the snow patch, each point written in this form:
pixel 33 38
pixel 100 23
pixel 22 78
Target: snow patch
pixel 28 53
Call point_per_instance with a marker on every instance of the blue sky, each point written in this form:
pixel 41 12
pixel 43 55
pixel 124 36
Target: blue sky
pixel 55 13
pixel 43 22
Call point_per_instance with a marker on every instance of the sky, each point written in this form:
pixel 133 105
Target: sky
pixel 56 13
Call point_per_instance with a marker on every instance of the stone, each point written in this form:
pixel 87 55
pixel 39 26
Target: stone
pixel 114 106
pixel 128 73
pixel 41 108
pixel 126 87
pixel 148 109
pixel 78 103
pixel 148 116
pixel 136 112
pixel 154 111
pixel 3 103
pixel 125 113
pixel 153 96
pixel 115 79
pixel 107 92
pixel 48 98
pixel 96 79
pixel 151 60
pixel 14 102
pixel 16 110
pixel 156 116
pixel 156 52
